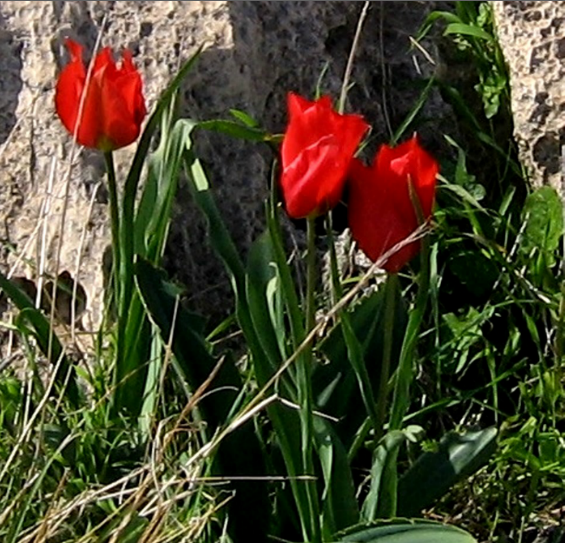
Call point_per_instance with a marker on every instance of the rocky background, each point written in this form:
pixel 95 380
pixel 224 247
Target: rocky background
pixel 532 37
pixel 255 52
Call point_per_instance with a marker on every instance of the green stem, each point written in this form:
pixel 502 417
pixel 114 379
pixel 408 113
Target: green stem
pixel 390 301
pixel 337 291
pixel 305 388
pixel 311 278
pixel 114 224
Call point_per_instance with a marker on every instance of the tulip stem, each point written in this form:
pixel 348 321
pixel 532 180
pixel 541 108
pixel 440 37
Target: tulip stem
pixel 305 389
pixel 388 330
pixel 115 224
pixel 311 277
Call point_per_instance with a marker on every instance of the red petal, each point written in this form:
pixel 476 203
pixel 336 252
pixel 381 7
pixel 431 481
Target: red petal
pixel 114 106
pixel 313 183
pixel 304 127
pixel 317 148
pixel 70 86
pixel 381 213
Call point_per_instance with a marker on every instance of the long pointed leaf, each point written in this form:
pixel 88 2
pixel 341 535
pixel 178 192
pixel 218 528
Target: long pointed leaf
pixel 129 363
pixel 46 339
pixel 382 497
pixel 284 420
pixel 405 531
pixel 434 473
pixel 239 454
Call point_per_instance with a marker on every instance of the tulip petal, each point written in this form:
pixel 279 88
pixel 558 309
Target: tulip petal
pixel 380 209
pixel 70 86
pixel 304 194
pixel 113 108
pixel 318 146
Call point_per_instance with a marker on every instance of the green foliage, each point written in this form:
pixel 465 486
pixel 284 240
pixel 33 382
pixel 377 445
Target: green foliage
pixel 133 335
pixel 403 531
pixel 456 457
pixel 32 323
pixel 239 454
pixel 542 217
pixel 472 30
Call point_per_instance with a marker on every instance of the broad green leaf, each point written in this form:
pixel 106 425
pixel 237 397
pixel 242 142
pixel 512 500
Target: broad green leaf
pixel 239 454
pixel 434 473
pixel 404 531
pixel 543 217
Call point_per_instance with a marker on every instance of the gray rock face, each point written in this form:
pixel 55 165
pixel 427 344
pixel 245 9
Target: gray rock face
pixel 532 36
pixel 255 52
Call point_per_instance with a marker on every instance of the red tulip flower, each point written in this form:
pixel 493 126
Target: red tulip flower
pixel 381 211
pixel 317 150
pixel 113 106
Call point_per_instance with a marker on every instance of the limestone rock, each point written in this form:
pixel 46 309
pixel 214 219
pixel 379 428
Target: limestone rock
pixel 532 36
pixel 255 52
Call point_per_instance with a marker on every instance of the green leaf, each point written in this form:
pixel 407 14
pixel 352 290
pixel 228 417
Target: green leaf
pixel 133 338
pixel 265 307
pixel 239 453
pixel 413 113
pixel 468 30
pixel 543 218
pixel 381 500
pixel 46 338
pixel 405 531
pixel 434 473
pixel 192 359
pixel 340 507
pixel 235 130
pixel 434 16
pixel 244 118
pixel 335 385
pixel 285 421
pixel 153 213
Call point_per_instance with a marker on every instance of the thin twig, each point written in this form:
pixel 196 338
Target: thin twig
pixel 349 66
